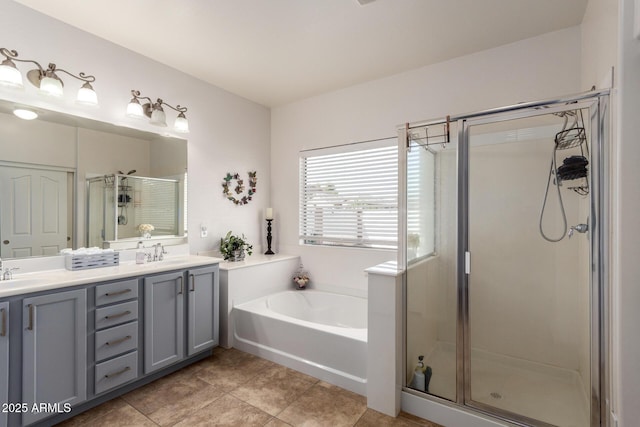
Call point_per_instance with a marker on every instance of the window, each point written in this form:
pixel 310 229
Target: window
pixel 162 213
pixel 421 202
pixel 349 195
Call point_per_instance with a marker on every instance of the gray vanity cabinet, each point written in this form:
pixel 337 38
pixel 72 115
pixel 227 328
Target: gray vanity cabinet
pixel 4 360
pixel 166 297
pixel 163 320
pixel 202 310
pixel 54 351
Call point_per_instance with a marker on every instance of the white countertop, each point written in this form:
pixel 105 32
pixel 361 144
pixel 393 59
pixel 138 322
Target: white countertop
pixel 62 278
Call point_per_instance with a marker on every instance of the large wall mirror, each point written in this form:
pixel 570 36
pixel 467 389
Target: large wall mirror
pixel 68 182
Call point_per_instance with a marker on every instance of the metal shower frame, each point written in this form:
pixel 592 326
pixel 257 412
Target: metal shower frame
pixel 597 102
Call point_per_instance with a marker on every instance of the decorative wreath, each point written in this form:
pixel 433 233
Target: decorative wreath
pixel 239 188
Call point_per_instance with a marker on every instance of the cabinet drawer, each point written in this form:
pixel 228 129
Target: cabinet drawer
pixel 116 314
pixel 118 291
pixel 116 372
pixel 119 339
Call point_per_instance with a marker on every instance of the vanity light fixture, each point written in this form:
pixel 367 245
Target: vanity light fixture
pixel 156 113
pixel 46 80
pixel 25 114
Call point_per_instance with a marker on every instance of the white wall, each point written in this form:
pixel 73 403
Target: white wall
pixel 542 67
pixel 228 133
pixel 599 30
pixel 37 142
pixel 524 292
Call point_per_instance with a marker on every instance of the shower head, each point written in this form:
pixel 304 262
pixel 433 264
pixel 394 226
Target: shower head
pixel 131 171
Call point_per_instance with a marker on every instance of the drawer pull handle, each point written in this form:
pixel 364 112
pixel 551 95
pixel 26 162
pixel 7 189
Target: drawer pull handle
pixel 181 287
pixel 3 331
pixel 120 372
pixel 115 316
pixel 30 327
pixel 116 293
pixel 118 341
pixel 193 282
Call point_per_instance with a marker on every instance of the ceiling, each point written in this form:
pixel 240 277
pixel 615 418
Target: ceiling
pixel 275 52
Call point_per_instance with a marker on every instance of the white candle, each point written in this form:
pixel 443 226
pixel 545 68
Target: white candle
pixel 269 213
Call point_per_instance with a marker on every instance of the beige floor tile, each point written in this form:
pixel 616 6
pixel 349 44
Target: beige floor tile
pixel 274 388
pixel 170 390
pixel 227 411
pixel 373 418
pixel 233 388
pixel 417 420
pixel 182 408
pixel 276 423
pixel 85 418
pixel 231 368
pixel 125 416
pixel 323 406
pixel 346 393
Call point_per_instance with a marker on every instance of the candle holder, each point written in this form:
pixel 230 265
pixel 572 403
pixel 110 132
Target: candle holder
pixel 269 238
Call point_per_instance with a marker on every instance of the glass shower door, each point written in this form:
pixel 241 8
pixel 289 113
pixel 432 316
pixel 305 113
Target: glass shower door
pixel 431 253
pixel 528 336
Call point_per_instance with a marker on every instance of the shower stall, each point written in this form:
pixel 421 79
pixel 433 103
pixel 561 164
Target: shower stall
pixel 503 236
pixel 117 204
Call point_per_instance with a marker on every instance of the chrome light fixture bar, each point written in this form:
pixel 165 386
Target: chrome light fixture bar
pixel 46 80
pixel 155 112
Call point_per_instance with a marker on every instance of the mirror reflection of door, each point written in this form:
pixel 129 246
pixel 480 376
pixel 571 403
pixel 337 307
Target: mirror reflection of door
pixel 33 210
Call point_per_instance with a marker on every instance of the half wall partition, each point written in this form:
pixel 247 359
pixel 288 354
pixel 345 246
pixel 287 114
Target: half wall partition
pixel 503 239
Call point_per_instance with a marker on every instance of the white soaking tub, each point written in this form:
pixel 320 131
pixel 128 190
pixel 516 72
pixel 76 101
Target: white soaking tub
pixel 319 333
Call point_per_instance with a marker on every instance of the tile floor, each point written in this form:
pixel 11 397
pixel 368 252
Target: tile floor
pixel 233 388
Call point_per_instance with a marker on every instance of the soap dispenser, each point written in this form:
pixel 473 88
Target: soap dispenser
pixel 140 255
pixel 418 380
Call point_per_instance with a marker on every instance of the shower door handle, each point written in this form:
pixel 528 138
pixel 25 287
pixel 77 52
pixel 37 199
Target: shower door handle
pixel 467 262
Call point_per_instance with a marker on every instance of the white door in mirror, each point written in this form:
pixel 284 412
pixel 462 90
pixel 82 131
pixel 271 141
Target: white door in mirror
pixel 34 217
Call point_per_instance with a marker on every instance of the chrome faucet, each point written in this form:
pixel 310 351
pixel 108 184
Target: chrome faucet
pixel 580 228
pixel 7 274
pixel 158 255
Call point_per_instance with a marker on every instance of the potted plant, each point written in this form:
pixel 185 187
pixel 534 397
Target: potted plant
pixel 233 247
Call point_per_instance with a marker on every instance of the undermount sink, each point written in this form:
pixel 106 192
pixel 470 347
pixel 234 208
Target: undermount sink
pixel 168 261
pixel 20 281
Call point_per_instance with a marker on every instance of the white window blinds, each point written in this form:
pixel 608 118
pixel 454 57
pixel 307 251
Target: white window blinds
pixel 163 212
pixel 350 197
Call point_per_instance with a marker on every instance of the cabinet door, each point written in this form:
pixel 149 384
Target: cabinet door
pixel 4 359
pixel 163 320
pixel 202 312
pixel 54 351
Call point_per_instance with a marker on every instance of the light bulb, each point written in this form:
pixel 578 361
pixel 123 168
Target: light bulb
pixel 134 109
pixel 51 86
pixel 10 75
pixel 158 117
pixel 87 96
pixel 181 124
pixel 25 114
